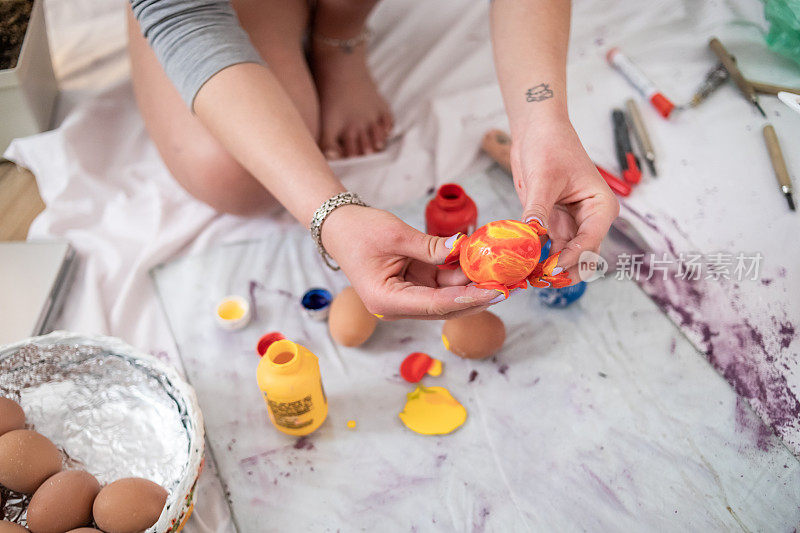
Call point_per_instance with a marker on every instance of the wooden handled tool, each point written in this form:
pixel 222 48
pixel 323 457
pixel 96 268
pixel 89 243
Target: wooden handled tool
pixel 778 163
pixel 730 65
pixel 769 88
pixel 497 144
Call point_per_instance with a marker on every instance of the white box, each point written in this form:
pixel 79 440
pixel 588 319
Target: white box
pixel 28 91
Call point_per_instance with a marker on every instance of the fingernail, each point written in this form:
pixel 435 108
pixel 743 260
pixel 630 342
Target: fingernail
pixel 537 219
pixel 465 300
pixel 497 299
pixel 451 241
pixel 558 270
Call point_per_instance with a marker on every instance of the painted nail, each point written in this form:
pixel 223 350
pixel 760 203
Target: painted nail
pixel 451 240
pixel 465 300
pixel 537 219
pixel 558 270
pixel 497 299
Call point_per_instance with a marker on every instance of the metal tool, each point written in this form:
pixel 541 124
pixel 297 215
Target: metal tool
pixel 715 78
pixel 790 99
pixel 730 65
pixel 779 164
pixel 627 159
pixel 640 132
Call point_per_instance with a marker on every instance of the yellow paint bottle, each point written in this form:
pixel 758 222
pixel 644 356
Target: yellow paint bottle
pixel 288 376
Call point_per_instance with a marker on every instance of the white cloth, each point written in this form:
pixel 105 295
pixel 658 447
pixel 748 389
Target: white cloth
pixel 107 191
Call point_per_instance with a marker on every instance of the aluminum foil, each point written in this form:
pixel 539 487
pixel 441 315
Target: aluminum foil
pixel 112 411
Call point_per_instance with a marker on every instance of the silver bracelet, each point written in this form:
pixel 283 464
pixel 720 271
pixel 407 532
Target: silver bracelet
pixel 347 45
pixel 330 205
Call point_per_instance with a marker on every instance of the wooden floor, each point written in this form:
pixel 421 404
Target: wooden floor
pixel 19 201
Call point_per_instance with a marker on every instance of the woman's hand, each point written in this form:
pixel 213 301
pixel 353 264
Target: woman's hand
pixel 393 268
pixel 559 185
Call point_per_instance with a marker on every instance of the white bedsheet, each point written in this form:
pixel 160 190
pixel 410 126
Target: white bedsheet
pixel 107 191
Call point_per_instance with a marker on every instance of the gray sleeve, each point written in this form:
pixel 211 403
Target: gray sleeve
pixel 194 39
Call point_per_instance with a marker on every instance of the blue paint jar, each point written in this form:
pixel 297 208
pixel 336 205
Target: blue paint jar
pixel 563 297
pixel 316 303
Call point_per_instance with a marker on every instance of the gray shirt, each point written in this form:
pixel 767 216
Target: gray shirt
pixel 194 39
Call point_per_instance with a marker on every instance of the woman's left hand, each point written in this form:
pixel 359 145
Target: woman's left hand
pixel 560 186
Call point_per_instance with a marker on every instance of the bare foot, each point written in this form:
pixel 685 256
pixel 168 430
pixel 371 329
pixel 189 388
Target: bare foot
pixel 355 119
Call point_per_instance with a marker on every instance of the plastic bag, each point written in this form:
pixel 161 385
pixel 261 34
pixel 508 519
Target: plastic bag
pixel 784 32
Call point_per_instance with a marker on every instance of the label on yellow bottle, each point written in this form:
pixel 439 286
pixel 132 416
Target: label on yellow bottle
pixel 290 414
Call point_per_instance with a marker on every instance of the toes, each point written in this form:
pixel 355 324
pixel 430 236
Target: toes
pixel 350 142
pixel 365 141
pixel 378 137
pixel 330 148
pixel 386 120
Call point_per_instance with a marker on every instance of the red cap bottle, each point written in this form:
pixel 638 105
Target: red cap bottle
pixel 451 211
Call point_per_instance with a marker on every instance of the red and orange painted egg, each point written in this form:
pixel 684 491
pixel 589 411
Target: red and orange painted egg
pixel 503 252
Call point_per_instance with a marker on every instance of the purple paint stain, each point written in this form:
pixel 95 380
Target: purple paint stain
pixel 673 343
pixel 733 346
pixel 253 303
pixel 787 334
pixel 405 340
pixel 746 423
pixel 303 443
pixel 766 282
pixel 503 369
pixel 611 496
pixel 440 459
pixel 473 375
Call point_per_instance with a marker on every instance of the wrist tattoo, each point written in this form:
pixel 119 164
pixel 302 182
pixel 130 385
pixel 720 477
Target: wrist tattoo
pixel 540 92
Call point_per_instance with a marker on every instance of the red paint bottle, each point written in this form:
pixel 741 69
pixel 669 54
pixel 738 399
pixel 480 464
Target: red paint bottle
pixel 451 211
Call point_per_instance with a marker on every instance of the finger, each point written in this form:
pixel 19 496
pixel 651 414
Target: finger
pixel 447 278
pixel 456 314
pixel 540 197
pixel 422 247
pixel 366 142
pixel 602 210
pixel 406 300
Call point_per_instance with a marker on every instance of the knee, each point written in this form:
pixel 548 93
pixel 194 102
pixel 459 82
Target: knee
pixel 216 179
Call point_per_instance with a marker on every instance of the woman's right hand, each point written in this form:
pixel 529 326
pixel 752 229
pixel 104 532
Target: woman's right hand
pixel 393 267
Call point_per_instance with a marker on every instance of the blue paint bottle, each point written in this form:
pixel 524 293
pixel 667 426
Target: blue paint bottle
pixel 559 298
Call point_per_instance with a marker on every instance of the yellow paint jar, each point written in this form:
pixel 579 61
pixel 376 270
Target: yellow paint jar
pixel 289 378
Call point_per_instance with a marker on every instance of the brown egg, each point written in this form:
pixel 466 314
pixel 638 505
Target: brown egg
pixel 11 527
pixel 26 460
pixel 11 416
pixel 349 321
pixel 474 336
pixel 129 505
pixel 63 502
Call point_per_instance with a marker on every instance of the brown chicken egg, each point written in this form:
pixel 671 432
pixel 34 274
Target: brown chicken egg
pixel 474 336
pixel 63 502
pixel 11 527
pixel 349 321
pixel 129 505
pixel 26 460
pixel 11 416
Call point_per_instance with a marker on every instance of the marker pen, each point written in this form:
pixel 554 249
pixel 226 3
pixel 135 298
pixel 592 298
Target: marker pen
pixel 639 80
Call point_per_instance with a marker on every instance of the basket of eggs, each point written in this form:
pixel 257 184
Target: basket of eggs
pixel 94 436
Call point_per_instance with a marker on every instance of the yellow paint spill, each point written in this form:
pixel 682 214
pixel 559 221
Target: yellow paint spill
pixel 446 343
pixel 351 424
pixel 436 368
pixel 432 411
pixel 230 310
